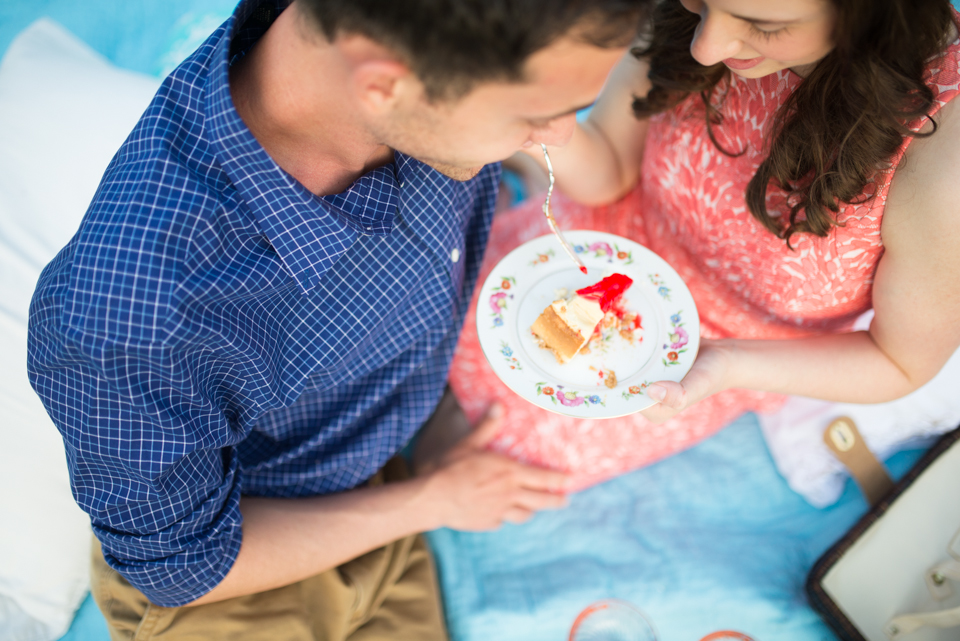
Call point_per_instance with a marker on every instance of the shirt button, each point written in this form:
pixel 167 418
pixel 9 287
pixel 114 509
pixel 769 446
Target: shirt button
pixel 455 255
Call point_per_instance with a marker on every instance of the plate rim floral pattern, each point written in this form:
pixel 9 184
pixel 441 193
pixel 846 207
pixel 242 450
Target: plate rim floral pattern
pixel 535 258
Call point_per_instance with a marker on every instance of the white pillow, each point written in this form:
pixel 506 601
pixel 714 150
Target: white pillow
pixel 64 111
pixel 794 435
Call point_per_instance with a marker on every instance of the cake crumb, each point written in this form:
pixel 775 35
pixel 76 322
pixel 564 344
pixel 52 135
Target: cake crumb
pixel 611 379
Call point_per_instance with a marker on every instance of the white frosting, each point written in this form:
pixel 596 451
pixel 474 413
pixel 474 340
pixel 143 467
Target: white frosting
pixel 582 314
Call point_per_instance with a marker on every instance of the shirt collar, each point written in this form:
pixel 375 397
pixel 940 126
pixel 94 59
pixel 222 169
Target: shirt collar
pixel 308 232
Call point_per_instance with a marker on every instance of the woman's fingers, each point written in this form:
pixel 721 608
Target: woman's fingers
pixel 669 394
pixel 708 376
pixel 672 398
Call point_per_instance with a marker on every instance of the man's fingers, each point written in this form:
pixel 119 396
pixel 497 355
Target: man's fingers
pixel 488 427
pixel 517 515
pixel 538 478
pixel 485 488
pixel 534 500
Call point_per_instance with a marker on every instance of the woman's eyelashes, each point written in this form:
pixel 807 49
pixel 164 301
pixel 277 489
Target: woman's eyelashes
pixel 767 33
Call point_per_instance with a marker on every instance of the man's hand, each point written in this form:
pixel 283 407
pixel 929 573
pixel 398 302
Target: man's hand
pixel 471 488
pixel 464 487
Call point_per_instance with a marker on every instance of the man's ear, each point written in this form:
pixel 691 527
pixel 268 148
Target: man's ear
pixel 381 84
pixel 378 78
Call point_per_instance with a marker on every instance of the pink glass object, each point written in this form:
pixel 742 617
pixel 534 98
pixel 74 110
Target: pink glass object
pixel 612 620
pixel 726 635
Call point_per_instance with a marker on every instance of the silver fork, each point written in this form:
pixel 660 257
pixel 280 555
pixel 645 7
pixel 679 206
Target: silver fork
pixel 550 219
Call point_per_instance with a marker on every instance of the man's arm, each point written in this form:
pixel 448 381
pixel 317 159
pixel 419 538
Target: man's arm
pixel 287 540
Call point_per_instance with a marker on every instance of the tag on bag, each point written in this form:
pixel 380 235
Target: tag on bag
pixel 844 440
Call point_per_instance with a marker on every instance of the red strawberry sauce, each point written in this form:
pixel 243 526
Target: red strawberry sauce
pixel 608 291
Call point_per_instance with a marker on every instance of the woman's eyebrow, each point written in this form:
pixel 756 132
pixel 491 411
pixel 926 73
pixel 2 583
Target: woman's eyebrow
pixel 763 20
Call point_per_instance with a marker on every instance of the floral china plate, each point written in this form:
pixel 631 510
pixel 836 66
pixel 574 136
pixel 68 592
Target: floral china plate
pixel 609 380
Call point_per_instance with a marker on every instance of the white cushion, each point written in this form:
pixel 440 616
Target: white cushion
pixel 795 433
pixel 64 111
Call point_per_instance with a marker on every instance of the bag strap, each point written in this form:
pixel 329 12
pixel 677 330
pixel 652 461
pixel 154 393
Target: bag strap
pixel 904 624
pixel 940 589
pixel 844 440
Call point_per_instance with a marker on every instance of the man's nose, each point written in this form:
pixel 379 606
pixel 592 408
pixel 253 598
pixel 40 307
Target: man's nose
pixel 716 39
pixel 557 132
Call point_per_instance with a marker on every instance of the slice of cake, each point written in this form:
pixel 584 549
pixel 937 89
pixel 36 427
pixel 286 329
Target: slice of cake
pixel 567 325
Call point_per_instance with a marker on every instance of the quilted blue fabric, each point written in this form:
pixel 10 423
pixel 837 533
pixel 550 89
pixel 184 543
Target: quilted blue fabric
pixel 710 539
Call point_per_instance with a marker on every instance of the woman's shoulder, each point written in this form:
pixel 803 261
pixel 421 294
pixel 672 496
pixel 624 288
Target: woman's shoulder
pixel 927 164
pixel 925 192
pixel 942 76
pixel 932 160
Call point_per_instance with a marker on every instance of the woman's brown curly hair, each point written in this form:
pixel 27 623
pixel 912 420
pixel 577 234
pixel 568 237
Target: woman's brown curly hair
pixel 842 123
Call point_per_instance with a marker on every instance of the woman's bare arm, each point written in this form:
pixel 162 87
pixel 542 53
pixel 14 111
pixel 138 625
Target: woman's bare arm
pixel 916 297
pixel 602 160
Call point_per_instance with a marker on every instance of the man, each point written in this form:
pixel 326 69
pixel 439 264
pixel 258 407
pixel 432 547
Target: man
pixel 260 307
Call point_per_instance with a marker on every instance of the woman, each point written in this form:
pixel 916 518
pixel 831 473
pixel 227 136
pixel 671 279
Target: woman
pixel 797 163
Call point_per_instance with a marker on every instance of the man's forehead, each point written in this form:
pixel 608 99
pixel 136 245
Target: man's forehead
pixel 556 81
pixel 568 60
pixel 564 71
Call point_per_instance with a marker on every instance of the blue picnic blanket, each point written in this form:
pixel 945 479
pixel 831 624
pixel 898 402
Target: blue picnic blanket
pixel 712 538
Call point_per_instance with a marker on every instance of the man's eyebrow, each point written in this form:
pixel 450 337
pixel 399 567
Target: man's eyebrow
pixel 561 115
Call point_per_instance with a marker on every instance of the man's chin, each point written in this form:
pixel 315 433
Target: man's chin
pixel 460 174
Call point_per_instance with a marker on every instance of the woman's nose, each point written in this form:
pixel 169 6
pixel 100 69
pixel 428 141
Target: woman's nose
pixel 717 38
pixel 556 133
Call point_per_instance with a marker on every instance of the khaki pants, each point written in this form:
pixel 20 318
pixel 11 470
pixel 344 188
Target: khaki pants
pixel 390 593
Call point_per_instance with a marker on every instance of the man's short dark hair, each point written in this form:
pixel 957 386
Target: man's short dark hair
pixel 454 44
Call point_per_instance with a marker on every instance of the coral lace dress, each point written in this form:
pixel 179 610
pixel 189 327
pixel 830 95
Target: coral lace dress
pixel 689 208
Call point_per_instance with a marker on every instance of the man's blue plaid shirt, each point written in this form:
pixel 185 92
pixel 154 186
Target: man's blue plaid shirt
pixel 214 329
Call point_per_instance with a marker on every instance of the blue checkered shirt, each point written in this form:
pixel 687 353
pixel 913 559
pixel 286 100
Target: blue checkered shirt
pixel 214 329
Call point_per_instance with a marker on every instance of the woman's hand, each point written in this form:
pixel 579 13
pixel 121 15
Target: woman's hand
pixel 710 374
